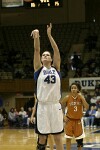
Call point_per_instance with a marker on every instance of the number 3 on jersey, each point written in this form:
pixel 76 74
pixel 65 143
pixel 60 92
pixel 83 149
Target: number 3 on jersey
pixel 50 79
pixel 75 108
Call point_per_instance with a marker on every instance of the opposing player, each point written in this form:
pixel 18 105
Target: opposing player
pixel 73 118
pixel 49 116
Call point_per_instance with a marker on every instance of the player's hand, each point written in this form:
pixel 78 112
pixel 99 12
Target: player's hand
pixel 65 119
pixel 35 33
pixel 32 120
pixel 49 27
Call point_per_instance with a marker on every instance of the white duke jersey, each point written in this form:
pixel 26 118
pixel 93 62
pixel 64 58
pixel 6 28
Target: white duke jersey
pixel 48 84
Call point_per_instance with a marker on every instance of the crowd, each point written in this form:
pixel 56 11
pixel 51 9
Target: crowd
pixel 92 117
pixel 16 118
pixel 90 68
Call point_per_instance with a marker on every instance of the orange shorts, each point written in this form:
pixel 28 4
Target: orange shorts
pixel 73 128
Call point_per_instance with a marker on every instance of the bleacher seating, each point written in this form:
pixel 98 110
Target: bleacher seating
pixel 16 45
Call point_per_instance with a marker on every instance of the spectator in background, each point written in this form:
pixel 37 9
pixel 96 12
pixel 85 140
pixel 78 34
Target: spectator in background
pixel 97 93
pixel 17 117
pixel 22 112
pixel 87 96
pixel 97 88
pixel 78 73
pixel 91 70
pixel 98 101
pixel 29 113
pixel 16 112
pixel 23 115
pixel 76 62
pixel 93 100
pixel 11 117
pixel 97 117
pixel 1 119
pixel 90 119
pixel 4 113
pixel 84 71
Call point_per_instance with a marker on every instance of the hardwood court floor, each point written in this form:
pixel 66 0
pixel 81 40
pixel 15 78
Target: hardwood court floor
pixel 25 139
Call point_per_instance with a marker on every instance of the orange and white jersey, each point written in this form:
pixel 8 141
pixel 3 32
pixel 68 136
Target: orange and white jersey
pixel 74 107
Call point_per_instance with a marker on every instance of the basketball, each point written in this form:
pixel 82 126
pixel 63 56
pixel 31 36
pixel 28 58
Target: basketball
pixel 36 30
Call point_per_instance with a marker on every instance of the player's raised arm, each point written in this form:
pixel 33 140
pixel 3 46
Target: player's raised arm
pixel 36 61
pixel 56 59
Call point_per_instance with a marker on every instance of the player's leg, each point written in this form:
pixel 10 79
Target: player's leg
pixel 58 141
pixel 79 143
pixel 42 142
pixel 68 144
pixel 79 133
pixel 69 133
pixel 50 141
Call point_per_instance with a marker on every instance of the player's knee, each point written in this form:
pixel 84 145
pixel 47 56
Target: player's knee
pixel 79 143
